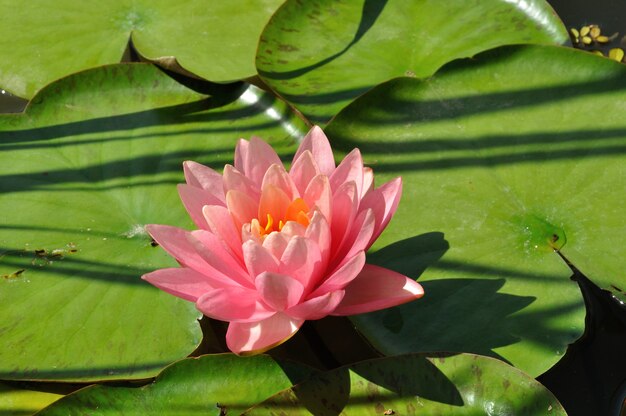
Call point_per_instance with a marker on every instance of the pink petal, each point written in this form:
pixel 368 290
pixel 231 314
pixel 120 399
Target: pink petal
pixel 317 308
pixel 194 199
pixel 276 243
pixel 316 142
pixel 349 170
pixel 182 282
pixel 357 238
pixel 368 180
pixel 319 196
pixel 242 208
pixel 377 288
pixel 258 337
pixel 277 176
pixel 233 304
pixel 341 277
pixel 259 158
pixel 302 260
pixel 184 247
pixel 273 202
pixel 258 259
pixel 201 176
pixel 235 180
pixel 384 202
pixel 241 155
pixel 279 291
pixel 303 170
pixel 345 206
pixel 250 233
pixel 292 228
pixel 210 248
pixel 222 225
pixel 176 242
pixel 319 231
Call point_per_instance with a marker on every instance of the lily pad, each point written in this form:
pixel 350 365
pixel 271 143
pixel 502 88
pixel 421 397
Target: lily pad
pixel 15 401
pixel 94 158
pixel 509 161
pixel 416 384
pixel 321 54
pixel 208 385
pixel 44 41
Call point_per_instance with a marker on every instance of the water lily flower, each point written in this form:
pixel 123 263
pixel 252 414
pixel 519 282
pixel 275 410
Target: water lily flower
pixel 274 247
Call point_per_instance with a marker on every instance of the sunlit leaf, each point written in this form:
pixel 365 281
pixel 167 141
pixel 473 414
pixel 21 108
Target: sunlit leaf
pixel 43 41
pixel 17 401
pixel 321 54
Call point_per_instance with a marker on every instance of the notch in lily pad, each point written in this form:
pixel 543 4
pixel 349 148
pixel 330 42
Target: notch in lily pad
pixel 540 234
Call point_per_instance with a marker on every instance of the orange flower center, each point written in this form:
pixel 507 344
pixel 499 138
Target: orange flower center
pixel 297 211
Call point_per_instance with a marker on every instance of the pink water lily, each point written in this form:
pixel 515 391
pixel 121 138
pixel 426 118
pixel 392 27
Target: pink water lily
pixel 275 247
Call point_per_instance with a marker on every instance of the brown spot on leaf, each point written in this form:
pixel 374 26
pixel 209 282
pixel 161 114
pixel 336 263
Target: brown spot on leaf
pixel 287 48
pixel 14 275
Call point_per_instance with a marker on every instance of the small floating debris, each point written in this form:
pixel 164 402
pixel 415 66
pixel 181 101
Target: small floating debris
pixel 590 36
pixel 617 54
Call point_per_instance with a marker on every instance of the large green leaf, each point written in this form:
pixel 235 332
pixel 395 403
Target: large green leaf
pixel 504 158
pixel 321 54
pixel 208 385
pixel 43 40
pixel 94 158
pixel 16 401
pixel 463 384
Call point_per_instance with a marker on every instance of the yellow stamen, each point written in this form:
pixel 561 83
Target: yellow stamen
pixel 270 223
pixel 297 211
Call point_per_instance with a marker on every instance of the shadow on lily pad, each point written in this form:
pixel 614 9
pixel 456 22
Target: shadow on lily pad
pixel 470 315
pixel 370 383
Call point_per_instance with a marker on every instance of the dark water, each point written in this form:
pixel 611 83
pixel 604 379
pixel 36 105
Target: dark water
pixel 10 103
pixel 610 15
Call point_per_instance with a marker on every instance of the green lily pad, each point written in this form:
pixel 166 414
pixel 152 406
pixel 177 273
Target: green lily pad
pixel 196 386
pixel 95 157
pixel 463 384
pixel 322 54
pixel 505 159
pixel 44 41
pixel 16 401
